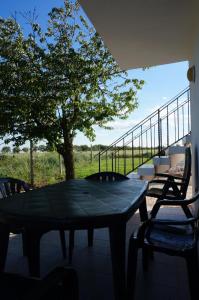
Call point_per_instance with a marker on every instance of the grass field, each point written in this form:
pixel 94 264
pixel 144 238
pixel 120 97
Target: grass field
pixel 48 169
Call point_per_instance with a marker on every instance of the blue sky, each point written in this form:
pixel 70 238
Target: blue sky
pixel 162 82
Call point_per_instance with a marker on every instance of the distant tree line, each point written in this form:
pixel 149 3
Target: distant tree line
pixel 98 147
pixel 16 149
pixel 48 148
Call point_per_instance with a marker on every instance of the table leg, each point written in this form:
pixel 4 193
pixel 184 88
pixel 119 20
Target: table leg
pixel 71 245
pixel 146 253
pixel 33 251
pixel 143 210
pixel 4 239
pixel 90 237
pixel 117 242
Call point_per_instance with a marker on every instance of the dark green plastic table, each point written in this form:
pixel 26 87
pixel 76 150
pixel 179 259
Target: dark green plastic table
pixel 75 204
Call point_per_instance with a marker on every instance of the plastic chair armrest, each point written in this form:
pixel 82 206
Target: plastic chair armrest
pixel 168 182
pixel 169 176
pixel 173 222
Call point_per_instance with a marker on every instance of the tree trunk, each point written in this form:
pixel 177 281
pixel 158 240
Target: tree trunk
pixel 68 161
pixel 65 149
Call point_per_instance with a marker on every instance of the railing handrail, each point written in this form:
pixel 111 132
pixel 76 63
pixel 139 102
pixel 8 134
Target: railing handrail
pixel 156 112
pixel 156 122
pixel 152 125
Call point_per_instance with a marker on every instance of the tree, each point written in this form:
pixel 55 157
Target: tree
pixel 35 148
pixel 25 149
pixel 5 149
pixel 56 82
pixel 85 148
pixel 16 149
pixel 50 147
pixel 41 148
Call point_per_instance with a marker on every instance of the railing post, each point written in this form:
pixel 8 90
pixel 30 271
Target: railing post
pixel 112 160
pixel 139 151
pixel 124 154
pixel 167 126
pixel 183 120
pixel 188 95
pixel 118 161
pixel 115 160
pixel 141 144
pixel 175 124
pixel 151 135
pixel 132 152
pixel 178 121
pixel 159 133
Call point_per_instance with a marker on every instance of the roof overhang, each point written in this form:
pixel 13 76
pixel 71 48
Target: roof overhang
pixel 145 33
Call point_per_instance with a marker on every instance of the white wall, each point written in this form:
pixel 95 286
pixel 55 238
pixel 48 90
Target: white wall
pixel 195 116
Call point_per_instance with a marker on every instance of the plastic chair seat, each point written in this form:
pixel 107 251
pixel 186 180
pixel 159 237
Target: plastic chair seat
pixel 157 192
pixel 171 238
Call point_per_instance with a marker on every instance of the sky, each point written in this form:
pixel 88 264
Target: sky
pixel 161 82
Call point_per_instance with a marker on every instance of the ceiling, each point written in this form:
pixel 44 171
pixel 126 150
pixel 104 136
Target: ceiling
pixel 142 33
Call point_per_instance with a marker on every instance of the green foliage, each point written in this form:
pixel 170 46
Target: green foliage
pixel 85 148
pixel 50 147
pixel 35 148
pixel 25 149
pixel 16 149
pixel 6 149
pixel 56 82
pixel 41 148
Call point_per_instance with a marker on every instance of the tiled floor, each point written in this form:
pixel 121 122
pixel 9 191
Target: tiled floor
pixel 166 278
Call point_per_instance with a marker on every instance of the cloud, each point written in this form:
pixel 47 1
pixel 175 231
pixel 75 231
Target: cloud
pixel 123 124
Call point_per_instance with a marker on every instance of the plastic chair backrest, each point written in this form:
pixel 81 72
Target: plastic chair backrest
pixel 10 186
pixel 187 171
pixel 107 176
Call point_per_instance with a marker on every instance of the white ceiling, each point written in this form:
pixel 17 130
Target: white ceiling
pixel 141 33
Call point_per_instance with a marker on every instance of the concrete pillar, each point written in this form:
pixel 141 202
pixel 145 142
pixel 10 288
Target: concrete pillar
pixel 194 93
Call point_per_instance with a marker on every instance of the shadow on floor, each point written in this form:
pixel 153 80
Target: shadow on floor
pixel 166 278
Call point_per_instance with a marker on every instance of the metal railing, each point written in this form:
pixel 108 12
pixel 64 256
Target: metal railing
pixel 150 137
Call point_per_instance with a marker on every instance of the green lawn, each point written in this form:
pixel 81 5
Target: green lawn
pixel 47 168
